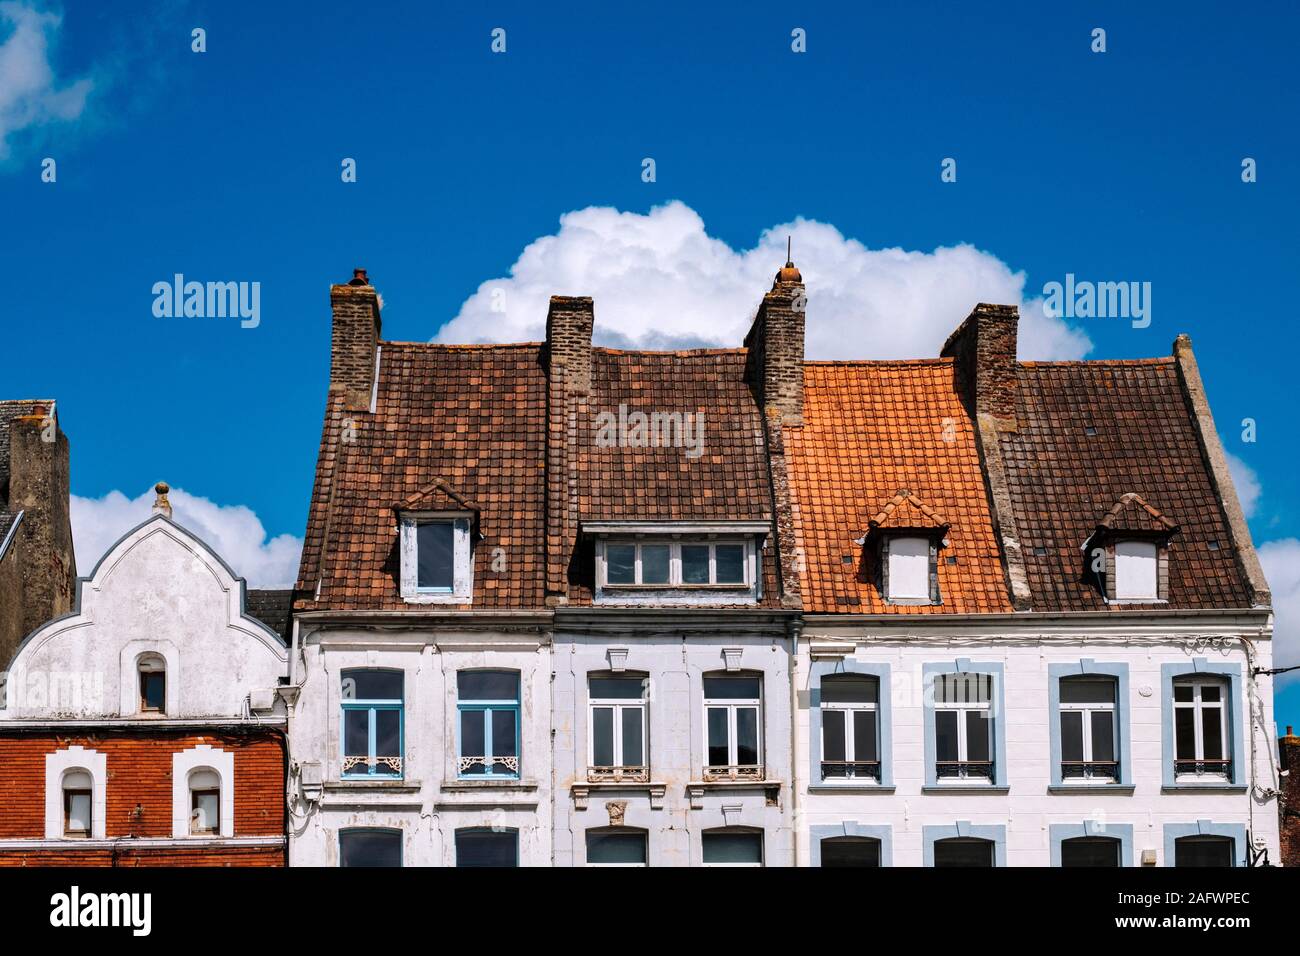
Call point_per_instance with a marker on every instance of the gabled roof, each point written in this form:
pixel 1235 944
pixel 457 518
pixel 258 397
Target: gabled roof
pixel 905 511
pixel 438 495
pixel 1131 513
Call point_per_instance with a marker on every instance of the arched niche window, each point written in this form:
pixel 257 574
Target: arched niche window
pixel 205 802
pixel 152 672
pixel 78 790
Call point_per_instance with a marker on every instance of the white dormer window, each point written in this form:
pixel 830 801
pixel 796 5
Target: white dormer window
pixel 909 569
pixel 1137 576
pixel 676 564
pixel 437 564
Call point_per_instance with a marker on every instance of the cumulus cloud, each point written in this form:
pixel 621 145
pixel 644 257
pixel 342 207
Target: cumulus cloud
pixel 1245 481
pixel 30 94
pixel 1281 561
pixel 660 280
pixel 233 531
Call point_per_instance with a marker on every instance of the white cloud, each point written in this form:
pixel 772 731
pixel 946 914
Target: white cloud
pixel 1281 561
pixel 232 531
pixel 1245 481
pixel 30 94
pixel 660 280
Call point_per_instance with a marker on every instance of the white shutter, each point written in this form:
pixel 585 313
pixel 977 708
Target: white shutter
pixel 909 569
pixel 1135 571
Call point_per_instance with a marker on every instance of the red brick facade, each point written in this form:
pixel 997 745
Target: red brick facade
pixel 140 774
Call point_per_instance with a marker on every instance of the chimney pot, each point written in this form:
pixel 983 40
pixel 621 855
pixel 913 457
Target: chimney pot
pixel 161 504
pixel 359 277
pixel 775 342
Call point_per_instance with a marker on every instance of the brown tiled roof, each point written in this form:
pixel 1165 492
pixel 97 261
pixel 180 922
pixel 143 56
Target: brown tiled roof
pixel 471 416
pixel 436 496
pixel 274 608
pixel 1065 481
pixel 728 480
pixel 871 429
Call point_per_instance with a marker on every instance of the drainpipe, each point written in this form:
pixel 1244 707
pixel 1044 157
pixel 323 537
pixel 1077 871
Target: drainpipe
pixel 796 627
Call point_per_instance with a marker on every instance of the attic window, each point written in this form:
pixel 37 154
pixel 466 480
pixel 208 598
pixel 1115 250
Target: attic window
pixel 1090 429
pixel 909 569
pixel 676 564
pixel 1136 571
pixel 437 561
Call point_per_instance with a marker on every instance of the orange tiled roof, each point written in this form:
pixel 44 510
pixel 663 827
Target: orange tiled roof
pixel 870 429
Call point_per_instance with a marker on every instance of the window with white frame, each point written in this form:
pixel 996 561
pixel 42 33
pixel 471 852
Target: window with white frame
pixel 909 569
pixel 850 727
pixel 78 794
pixel 372 722
pixel 436 558
pixel 488 706
pixel 1201 728
pixel 616 846
pixel 963 727
pixel 732 847
pixel 733 720
pixel 205 802
pixel 618 748
pixel 152 673
pixel 681 564
pixel 1088 727
pixel 1137 576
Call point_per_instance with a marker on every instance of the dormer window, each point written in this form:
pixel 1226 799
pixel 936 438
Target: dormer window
pixel 1136 577
pixel 909 569
pixel 1128 552
pixel 642 562
pixel 902 544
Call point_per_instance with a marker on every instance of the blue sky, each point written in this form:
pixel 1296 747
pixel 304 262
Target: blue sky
pixel 225 165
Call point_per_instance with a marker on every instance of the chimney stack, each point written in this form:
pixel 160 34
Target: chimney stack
pixel 355 339
pixel 38 487
pixel 775 343
pixel 569 323
pixel 984 348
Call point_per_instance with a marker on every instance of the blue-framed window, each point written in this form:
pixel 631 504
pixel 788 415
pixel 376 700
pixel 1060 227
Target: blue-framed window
pixel 1088 717
pixel 370 846
pixel 1202 737
pixel 964 845
pixel 487 847
pixel 1092 843
pixel 372 722
pixel 850 724
pixel 1205 843
pixel 965 724
pixel 488 712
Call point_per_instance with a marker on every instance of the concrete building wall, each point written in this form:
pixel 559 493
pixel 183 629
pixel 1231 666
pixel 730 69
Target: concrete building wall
pixel 431 801
pixel 677 806
pixel 1031 814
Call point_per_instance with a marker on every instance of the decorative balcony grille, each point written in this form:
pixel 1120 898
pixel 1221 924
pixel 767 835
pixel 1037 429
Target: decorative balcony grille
pixel 511 764
pixel 1089 770
pixel 964 769
pixel 746 772
pixel 392 763
pixel 618 774
pixel 850 769
pixel 1203 768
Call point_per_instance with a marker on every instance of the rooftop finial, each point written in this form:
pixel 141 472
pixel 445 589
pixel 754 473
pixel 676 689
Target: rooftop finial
pixel 161 504
pixel 789 262
pixel 788 273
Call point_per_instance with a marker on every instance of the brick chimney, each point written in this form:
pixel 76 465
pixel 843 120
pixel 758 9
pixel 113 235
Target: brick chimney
pixel 984 347
pixel 1288 748
pixel 355 339
pixel 983 350
pixel 569 324
pixel 775 342
pixel 45 572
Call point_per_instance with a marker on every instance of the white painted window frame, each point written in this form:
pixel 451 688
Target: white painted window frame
pixel 619 706
pixel 129 700
pixel 1086 711
pixel 202 757
pixel 675 563
pixel 462 590
pixel 961 707
pixel 850 732
pixel 57 766
pixel 732 705
pixel 1198 706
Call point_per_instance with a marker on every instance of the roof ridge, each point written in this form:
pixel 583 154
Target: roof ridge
pixel 467 345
